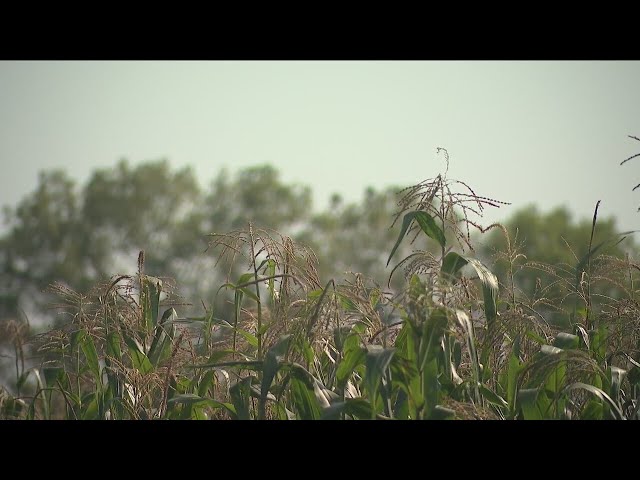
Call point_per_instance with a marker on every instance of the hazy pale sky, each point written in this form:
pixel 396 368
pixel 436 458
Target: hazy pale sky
pixel 549 133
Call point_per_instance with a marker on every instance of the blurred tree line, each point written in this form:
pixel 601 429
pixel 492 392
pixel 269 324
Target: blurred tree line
pixel 82 234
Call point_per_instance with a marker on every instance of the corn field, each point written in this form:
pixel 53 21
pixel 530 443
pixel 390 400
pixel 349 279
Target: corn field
pixel 278 342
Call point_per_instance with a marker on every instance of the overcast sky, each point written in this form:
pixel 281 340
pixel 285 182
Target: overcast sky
pixel 549 133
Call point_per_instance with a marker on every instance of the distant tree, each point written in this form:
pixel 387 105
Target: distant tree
pixel 258 195
pixel 79 236
pixel 45 241
pixel 254 194
pixel 148 208
pixel 61 233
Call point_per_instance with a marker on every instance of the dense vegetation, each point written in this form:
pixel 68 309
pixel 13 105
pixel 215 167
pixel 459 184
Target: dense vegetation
pixel 437 317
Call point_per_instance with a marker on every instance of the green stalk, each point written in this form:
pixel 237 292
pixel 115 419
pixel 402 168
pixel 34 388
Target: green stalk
pixel 510 252
pixel 262 401
pixel 593 229
pixel 443 246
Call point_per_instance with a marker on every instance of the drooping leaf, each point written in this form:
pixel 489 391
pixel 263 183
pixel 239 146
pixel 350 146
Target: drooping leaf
pixel 359 408
pixel 451 264
pixel 91 410
pixel 433 329
pixel 352 356
pixel 556 377
pixel 52 375
pixel 150 300
pixel 206 382
pixel 593 410
pixel 377 360
pixel 430 387
pixel 566 341
pixel 426 223
pixel 601 395
pixel 247 278
pixel 272 363
pixel 241 397
pixel 442 413
pixel 489 289
pixel 138 358
pixel 513 370
pixel 249 337
pixel 550 350
pixel 617 377
pixel 90 353
pixel 304 400
pixel 467 326
pixel 534 403
pixel 324 396
pixel 430 228
pixel 113 345
pixel 162 340
pixel 192 399
pixel 493 397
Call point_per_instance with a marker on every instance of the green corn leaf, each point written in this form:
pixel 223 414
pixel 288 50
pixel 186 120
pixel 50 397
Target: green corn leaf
pixel 191 399
pixel 451 265
pixel 442 413
pixel 534 404
pixel 249 337
pixel 241 398
pixel 113 345
pixel 324 396
pixel 352 356
pixel 426 223
pixel 150 300
pixel 355 407
pixel 601 395
pixel 139 360
pixel 566 341
pixel 593 410
pixel 430 228
pixel 272 363
pixel 489 289
pixel 162 340
pixel 513 370
pixel 432 332
pixel 90 353
pixel 493 397
pixel 52 375
pixel 304 400
pixel 430 387
pixel 377 360
pixel 205 382
pixel 550 350
pixel 617 376
pixel 91 410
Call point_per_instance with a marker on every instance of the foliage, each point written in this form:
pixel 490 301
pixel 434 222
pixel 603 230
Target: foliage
pixel 542 259
pixel 276 340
